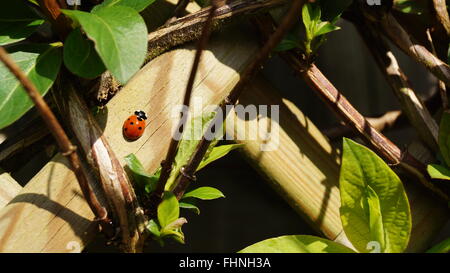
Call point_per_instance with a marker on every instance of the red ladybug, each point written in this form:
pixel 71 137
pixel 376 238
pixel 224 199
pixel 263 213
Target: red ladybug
pixel 134 126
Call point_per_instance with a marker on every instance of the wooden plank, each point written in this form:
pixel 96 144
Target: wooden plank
pixel 304 169
pixel 49 214
pixel 9 188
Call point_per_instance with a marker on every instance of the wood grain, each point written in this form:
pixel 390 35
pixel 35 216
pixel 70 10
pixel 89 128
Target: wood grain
pixel 49 214
pixel 9 188
pixel 304 169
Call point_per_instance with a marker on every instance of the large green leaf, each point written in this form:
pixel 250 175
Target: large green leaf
pixel 40 63
pixel 120 37
pixel 444 137
pixel 168 210
pixel 80 56
pixel 204 193
pixel 137 5
pixel 370 190
pixel 296 244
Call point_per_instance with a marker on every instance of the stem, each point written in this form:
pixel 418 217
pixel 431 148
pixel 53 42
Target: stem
pixel 174 33
pixel 172 151
pixel 66 147
pixel 60 23
pixel 411 104
pixel 189 169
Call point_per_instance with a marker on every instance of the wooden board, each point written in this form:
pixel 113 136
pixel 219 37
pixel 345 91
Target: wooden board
pixel 49 214
pixel 9 188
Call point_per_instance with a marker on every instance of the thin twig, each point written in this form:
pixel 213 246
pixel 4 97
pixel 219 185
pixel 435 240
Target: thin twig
pixel 179 10
pixel 189 169
pixel 440 8
pixel 166 165
pixel 441 85
pixel 66 147
pixel 412 106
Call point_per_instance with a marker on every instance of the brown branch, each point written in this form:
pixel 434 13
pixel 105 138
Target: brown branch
pixel 189 169
pixel 397 34
pixel 441 85
pixel 166 165
pixel 440 8
pixel 179 10
pixel 412 106
pixel 118 190
pixel 60 23
pixel 189 27
pixel 66 147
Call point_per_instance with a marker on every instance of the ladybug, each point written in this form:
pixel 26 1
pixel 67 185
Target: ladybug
pixel 134 125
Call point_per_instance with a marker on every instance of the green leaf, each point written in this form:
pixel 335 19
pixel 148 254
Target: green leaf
pixel 168 209
pixel 80 56
pixel 324 28
pixel 204 193
pixel 438 172
pixel 296 244
pixel 137 5
pixel 175 225
pixel 444 137
pixel 40 63
pixel 370 190
pixel 176 235
pixel 411 6
pixel 191 137
pixel 217 153
pixel 154 228
pixel 141 177
pixel 287 44
pixel 11 32
pixel 442 247
pixel 189 206
pixel 120 37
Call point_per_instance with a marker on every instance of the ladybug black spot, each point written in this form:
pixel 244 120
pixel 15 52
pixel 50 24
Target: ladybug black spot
pixel 140 128
pixel 131 123
pixel 125 129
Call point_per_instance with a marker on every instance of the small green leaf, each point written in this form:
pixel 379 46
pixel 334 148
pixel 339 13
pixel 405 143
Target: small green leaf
pixel 138 5
pixel 442 247
pixel 176 235
pixel 120 37
pixel 80 56
pixel 168 209
pixel 141 177
pixel 296 244
pixel 438 172
pixel 361 206
pixel 287 44
pixel 40 63
pixel 411 6
pixel 11 32
pixel 324 28
pixel 444 137
pixel 204 193
pixel 175 225
pixel 189 206
pixel 217 153
pixel 154 228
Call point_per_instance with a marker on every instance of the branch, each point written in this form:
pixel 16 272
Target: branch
pixel 395 32
pixel 118 189
pixel 60 23
pixel 172 151
pixel 440 8
pixel 412 106
pixel 189 169
pixel 189 27
pixel 179 10
pixel 66 147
